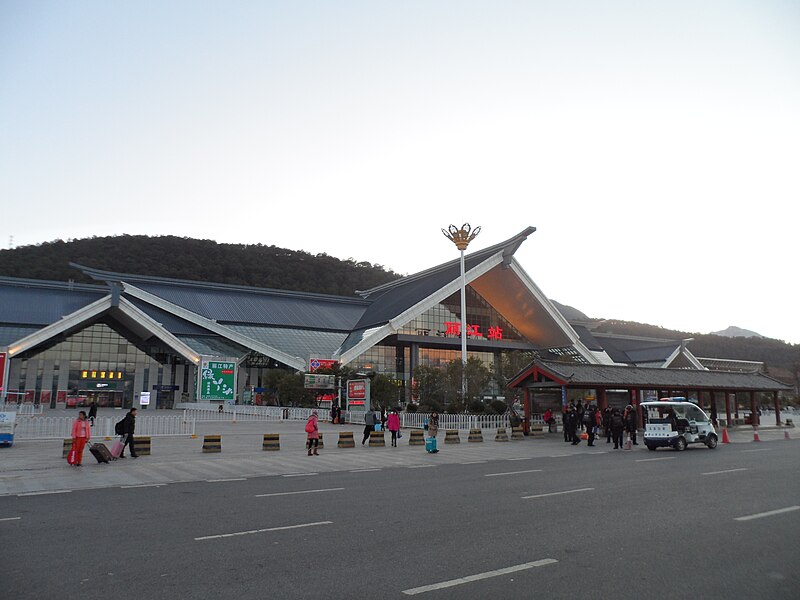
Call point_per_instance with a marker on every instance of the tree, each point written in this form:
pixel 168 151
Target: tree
pixel 383 392
pixel 511 363
pixel 428 385
pixel 292 391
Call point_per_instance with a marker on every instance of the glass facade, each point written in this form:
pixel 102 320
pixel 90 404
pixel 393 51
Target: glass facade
pixel 96 364
pixel 444 320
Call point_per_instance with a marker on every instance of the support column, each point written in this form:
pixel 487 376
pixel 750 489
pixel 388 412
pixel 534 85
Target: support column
pixel 735 406
pixel 602 399
pixel 712 396
pixel 526 406
pixel 728 407
pixel 777 404
pixel 754 420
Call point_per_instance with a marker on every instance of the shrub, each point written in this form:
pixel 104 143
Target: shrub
pixel 498 406
pixel 411 407
pixel 477 406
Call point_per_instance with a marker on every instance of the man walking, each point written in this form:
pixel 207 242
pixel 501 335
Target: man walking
pixel 369 424
pixel 128 428
pixel 631 418
pixel 590 421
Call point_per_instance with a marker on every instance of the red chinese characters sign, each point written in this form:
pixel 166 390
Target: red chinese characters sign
pixel 454 328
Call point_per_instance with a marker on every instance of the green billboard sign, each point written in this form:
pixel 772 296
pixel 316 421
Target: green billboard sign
pixel 218 381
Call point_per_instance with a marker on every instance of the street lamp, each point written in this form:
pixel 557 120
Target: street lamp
pixel 461 238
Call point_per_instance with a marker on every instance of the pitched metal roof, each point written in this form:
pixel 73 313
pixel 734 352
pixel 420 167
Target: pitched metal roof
pixel 37 302
pixel 237 304
pixel 625 377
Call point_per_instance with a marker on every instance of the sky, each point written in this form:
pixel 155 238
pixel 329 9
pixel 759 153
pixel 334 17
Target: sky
pixel 654 145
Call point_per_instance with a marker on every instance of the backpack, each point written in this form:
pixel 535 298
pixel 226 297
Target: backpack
pixel 309 427
pixel 118 428
pixel 616 422
pixel 588 417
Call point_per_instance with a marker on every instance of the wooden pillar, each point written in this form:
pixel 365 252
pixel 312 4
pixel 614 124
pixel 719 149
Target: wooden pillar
pixel 526 406
pixel 753 410
pixel 777 408
pixel 727 407
pixel 602 399
pixel 636 401
pixel 735 406
pixel 712 398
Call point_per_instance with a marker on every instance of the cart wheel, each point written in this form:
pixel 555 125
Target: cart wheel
pixel 680 443
pixel 711 442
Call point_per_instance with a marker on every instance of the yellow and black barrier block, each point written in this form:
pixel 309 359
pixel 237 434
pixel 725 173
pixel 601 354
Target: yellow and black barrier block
pixel 376 439
pixel 346 440
pixel 501 435
pixel 517 434
pixel 272 441
pixel 142 445
pixel 212 443
pixel 417 438
pixel 537 430
pixel 475 435
pixel 451 437
pixel 67 447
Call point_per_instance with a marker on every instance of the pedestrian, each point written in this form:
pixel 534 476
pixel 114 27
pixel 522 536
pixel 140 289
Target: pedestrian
pixel 369 424
pixel 127 430
pixel 631 418
pixel 565 422
pixel 92 413
pixel 393 423
pixel 219 410
pixel 607 423
pixel 312 431
pixel 81 433
pixel 574 426
pixel 617 426
pixel 579 413
pixel 590 421
pixel 433 424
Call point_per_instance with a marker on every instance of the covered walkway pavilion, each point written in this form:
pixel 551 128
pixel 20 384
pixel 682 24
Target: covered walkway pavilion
pixel 548 378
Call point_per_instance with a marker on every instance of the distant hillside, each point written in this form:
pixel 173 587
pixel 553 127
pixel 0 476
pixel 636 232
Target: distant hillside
pixel 734 331
pixel 782 360
pixel 198 260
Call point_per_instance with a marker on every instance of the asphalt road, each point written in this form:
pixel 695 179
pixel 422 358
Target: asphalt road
pixel 616 524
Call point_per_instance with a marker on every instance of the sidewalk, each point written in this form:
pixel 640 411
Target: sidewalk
pixel 37 466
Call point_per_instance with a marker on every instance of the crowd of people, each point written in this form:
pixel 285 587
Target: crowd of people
pixel 579 419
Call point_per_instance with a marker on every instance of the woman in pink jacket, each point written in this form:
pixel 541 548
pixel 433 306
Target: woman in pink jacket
pixel 393 425
pixel 312 429
pixel 81 433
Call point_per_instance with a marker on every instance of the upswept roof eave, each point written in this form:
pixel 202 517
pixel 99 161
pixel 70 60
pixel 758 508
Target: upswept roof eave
pixel 509 247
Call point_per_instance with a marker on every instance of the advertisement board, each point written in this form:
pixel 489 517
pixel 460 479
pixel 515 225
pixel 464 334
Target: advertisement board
pixel 358 394
pixel 218 380
pixel 320 382
pixel 144 398
pixel 321 363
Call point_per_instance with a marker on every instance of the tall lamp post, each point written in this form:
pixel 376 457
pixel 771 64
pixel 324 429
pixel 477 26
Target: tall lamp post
pixel 461 238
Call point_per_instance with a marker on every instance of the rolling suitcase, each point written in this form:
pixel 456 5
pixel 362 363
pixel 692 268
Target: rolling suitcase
pixel 100 452
pixel 430 445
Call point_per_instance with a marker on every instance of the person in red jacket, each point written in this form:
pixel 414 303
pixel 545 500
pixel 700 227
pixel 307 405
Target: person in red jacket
pixel 393 425
pixel 81 433
pixel 312 429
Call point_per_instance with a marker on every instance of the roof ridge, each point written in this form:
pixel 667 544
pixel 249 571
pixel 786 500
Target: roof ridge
pixel 111 276
pixel 52 283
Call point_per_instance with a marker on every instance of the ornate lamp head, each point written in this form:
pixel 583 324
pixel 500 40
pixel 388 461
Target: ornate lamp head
pixel 461 237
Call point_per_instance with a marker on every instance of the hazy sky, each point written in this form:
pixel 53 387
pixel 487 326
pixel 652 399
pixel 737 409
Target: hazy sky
pixel 654 145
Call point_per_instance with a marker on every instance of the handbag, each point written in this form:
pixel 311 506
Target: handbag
pixel 72 457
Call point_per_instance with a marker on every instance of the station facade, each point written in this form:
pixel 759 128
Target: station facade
pixel 138 340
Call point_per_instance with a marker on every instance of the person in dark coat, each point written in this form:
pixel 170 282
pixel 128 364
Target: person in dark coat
pixel 128 429
pixel 590 421
pixel 631 418
pixel 579 415
pixel 617 427
pixel 574 424
pixel 607 423
pixel 565 423
pixel 92 413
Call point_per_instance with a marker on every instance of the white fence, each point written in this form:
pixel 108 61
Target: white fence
pixel 44 428
pixel 230 413
pixel 21 409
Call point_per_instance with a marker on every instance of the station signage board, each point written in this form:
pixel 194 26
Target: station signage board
pixel 319 382
pixel 144 398
pixel 321 363
pixel 218 380
pixel 358 394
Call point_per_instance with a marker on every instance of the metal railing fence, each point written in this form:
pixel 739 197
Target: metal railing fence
pixel 43 428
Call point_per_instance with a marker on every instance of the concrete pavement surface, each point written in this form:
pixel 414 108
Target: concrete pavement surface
pixel 528 519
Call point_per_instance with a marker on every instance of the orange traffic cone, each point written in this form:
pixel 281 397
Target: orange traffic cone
pixel 725 439
pixel 755 435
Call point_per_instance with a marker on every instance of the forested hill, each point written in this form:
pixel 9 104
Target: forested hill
pixel 198 260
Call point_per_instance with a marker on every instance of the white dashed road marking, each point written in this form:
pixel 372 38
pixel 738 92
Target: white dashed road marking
pixel 252 531
pixel 769 513
pixel 513 473
pixel 479 576
pixel 226 480
pixel 652 459
pixel 558 493
pixel 726 471
pixel 10 519
pixel 43 493
pixel 300 492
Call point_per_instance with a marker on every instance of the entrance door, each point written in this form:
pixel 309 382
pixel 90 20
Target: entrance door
pixel 104 398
